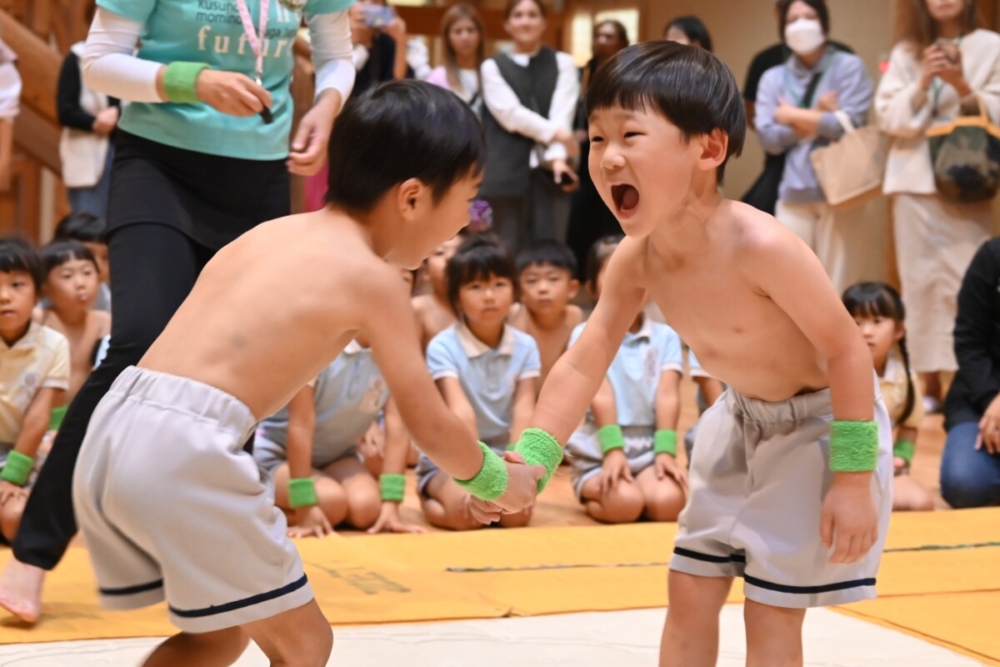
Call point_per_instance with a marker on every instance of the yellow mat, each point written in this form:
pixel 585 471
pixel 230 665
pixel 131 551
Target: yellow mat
pixel 936 570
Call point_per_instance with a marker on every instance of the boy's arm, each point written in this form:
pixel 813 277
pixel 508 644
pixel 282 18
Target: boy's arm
pixel 458 402
pixel 301 428
pixel 525 395
pixel 603 406
pixel 36 420
pixel 668 401
pixel 791 275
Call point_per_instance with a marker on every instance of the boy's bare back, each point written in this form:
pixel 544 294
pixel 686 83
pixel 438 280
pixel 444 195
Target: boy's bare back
pixel 275 307
pixel 728 290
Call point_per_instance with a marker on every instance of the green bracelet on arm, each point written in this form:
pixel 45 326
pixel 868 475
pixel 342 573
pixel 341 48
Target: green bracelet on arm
pixel 665 442
pixel 491 481
pixel 302 492
pixel 853 446
pixel 17 468
pixel 537 447
pixel 904 449
pixel 180 81
pixel 610 437
pixel 392 487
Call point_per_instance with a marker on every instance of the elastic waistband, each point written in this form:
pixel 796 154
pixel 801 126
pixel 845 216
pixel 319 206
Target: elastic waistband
pixel 185 396
pixel 795 410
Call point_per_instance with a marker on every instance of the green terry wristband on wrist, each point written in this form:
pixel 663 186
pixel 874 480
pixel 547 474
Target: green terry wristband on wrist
pixel 491 481
pixel 610 437
pixel 539 448
pixel 179 82
pixel 904 449
pixel 17 468
pixel 301 492
pixel 392 487
pixel 56 417
pixel 853 446
pixel 665 442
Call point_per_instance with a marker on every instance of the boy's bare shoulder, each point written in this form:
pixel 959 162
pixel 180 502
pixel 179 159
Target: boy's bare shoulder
pixel 518 316
pixel 574 315
pixel 756 234
pixel 101 321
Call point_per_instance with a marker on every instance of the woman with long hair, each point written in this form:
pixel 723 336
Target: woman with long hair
pixel 943 65
pixel 464 53
pixel 689 30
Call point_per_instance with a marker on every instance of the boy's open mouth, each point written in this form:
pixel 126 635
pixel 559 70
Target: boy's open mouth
pixel 626 197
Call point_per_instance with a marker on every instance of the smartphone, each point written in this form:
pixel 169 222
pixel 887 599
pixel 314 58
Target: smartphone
pixel 377 16
pixel 949 48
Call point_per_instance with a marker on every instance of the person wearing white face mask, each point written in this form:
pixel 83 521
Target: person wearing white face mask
pixel 796 112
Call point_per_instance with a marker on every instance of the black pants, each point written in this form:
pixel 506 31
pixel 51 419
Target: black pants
pixel 153 268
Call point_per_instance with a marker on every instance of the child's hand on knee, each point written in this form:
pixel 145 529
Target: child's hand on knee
pixel 667 466
pixel 849 521
pixel 614 468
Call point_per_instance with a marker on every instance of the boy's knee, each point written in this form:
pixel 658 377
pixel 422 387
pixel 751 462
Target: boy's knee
pixel 364 509
pixel 665 505
pixel 623 504
pixel 332 499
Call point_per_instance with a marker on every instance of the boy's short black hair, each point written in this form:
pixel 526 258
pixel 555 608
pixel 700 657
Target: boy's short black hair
pixel 57 253
pixel 689 86
pixel 397 131
pixel 479 257
pixel 83 227
pixel 16 254
pixel 547 252
pixel 819 6
pixel 599 253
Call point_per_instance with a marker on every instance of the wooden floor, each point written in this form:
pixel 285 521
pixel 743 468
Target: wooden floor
pixel 558 506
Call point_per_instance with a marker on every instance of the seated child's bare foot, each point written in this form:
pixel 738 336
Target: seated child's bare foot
pixel 21 590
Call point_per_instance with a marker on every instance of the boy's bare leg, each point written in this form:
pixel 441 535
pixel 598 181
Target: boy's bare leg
pixel 448 505
pixel 622 504
pixel 10 516
pixel 909 495
pixel 210 649
pixel 299 637
pixel 664 498
pixel 691 632
pixel 364 501
pixel 774 635
pixel 330 495
pixel 21 589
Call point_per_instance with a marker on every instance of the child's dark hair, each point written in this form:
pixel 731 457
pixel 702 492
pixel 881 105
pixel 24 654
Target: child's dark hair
pixel 57 253
pixel 598 256
pixel 877 299
pixel 397 131
pixel 689 86
pixel 819 6
pixel 478 258
pixel 547 252
pixel 694 28
pixel 83 227
pixel 16 254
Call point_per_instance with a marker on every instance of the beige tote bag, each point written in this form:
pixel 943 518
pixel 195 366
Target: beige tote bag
pixel 850 171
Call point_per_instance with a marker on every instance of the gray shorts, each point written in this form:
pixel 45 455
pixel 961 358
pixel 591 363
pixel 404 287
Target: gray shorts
pixel 585 457
pixel 757 481
pixel 172 508
pixel 270 455
pixel 426 469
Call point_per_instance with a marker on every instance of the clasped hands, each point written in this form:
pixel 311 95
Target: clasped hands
pixel 522 489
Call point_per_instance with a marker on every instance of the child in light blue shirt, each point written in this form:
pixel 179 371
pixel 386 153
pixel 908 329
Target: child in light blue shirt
pixel 485 369
pixel 624 456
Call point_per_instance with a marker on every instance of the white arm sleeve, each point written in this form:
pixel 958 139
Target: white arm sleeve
pixel 332 52
pixel 507 109
pixel 109 65
pixel 564 103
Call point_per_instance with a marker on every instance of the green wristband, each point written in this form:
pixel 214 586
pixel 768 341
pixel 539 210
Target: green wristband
pixel 904 449
pixel 610 437
pixel 491 481
pixel 56 417
pixel 301 492
pixel 665 442
pixel 180 82
pixel 392 487
pixel 17 468
pixel 539 448
pixel 853 446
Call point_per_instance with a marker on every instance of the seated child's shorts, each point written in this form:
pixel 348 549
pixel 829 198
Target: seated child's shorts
pixel 270 455
pixel 426 469
pixel 757 481
pixel 585 457
pixel 171 506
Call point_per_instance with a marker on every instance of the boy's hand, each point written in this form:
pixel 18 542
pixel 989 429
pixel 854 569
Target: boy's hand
pixel 849 517
pixel 615 467
pixel 898 464
pixel 10 491
pixel 484 512
pixel 666 466
pixel 310 522
pixel 522 484
pixel 388 519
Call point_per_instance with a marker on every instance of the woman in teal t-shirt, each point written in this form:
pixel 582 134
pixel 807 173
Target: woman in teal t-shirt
pixel 201 157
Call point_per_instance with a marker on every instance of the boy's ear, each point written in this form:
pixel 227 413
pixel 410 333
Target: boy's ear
pixel 574 288
pixel 714 147
pixel 410 198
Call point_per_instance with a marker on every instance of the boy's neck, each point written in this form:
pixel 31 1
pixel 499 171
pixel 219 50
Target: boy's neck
pixel 489 335
pixel 685 233
pixel 547 321
pixel 72 317
pixel 637 323
pixel 10 338
pixel 441 299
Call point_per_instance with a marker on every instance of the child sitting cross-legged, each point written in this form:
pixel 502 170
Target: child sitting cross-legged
pixel 624 456
pixel 485 369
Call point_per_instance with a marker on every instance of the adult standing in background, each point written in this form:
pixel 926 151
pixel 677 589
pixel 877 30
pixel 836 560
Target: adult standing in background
pixel 689 30
pixel 942 66
pixel 202 156
pixel 530 97
pixel 797 107
pixel 88 118
pixel 464 52
pixel 590 218
pixel 10 105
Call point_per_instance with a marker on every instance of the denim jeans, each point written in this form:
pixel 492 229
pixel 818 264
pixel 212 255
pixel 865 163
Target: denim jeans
pixel 969 477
